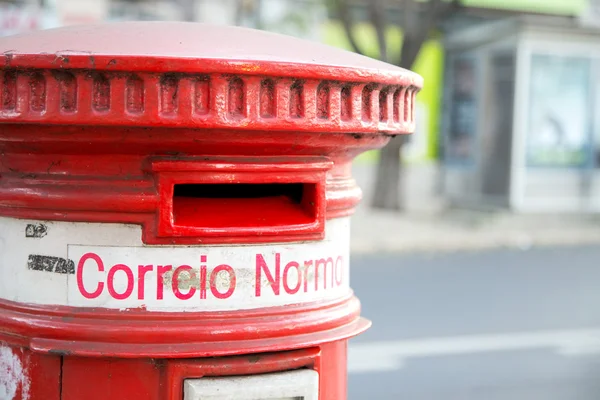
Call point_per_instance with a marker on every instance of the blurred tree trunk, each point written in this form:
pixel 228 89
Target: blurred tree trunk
pixel 248 9
pixel 189 10
pixel 419 20
pixel 389 175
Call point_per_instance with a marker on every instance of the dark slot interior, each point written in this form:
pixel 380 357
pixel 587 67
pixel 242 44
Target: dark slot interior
pixel 244 204
pixel 241 191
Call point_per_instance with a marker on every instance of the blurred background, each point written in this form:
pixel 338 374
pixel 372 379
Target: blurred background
pixel 477 245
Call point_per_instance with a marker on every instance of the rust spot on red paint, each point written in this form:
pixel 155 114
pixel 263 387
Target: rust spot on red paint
pixel 254 358
pixel 59 58
pixel 8 56
pixel 59 352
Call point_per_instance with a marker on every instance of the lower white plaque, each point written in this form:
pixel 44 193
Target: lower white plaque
pixel 290 385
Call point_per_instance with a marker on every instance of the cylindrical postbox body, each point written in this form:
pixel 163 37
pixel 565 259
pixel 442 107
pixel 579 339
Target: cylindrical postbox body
pixel 174 210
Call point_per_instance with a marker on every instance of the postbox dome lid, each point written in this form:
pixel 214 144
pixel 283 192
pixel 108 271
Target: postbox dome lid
pixel 199 75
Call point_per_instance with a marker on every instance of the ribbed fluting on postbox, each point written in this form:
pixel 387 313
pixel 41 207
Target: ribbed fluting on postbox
pixel 397 105
pixel 296 100
pixel 201 95
pixel 413 102
pixel 37 92
pixel 100 93
pixel 169 86
pixel 407 106
pixel 346 104
pixel 236 97
pixel 323 100
pixel 135 94
pixel 383 105
pixel 9 90
pixel 197 99
pixel 68 90
pixel 267 99
pixel 366 109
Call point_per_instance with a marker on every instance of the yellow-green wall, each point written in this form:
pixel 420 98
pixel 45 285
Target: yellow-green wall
pixel 429 65
pixel 561 7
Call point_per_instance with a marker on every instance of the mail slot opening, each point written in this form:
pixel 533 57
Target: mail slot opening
pixel 244 205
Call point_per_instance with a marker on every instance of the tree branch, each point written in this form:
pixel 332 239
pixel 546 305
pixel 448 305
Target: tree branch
pixel 439 9
pixel 378 20
pixel 344 12
pixel 411 17
pixel 416 34
pixel 239 12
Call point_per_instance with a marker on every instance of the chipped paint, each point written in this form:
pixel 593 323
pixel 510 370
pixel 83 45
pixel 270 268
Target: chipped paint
pixel 12 375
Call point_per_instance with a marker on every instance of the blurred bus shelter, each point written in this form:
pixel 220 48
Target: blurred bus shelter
pixel 26 15
pixel 521 118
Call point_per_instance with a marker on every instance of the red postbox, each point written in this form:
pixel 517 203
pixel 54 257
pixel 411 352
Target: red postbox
pixel 174 210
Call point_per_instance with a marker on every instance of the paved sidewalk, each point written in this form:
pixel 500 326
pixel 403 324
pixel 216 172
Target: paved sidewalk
pixel 428 226
pixel 454 230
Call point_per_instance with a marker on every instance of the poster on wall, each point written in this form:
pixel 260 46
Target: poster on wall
pixel 460 143
pixel 559 113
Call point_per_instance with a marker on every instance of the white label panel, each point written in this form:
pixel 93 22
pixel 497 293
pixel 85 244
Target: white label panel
pixel 290 385
pixel 106 265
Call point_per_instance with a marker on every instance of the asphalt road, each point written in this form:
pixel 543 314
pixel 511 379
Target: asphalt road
pixel 496 325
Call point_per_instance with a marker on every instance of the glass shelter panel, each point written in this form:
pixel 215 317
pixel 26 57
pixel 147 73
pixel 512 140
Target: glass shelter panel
pixel 559 112
pixel 496 141
pixel 460 146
